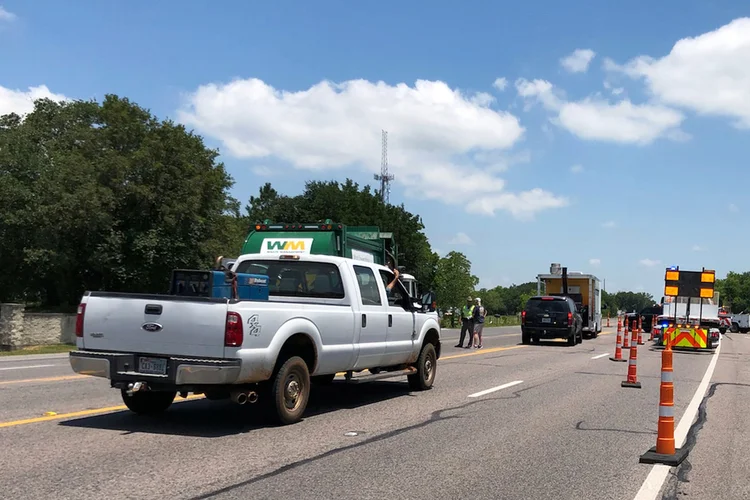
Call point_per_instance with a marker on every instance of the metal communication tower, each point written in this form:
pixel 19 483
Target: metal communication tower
pixel 384 177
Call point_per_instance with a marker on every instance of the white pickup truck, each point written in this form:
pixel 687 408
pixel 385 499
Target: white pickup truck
pixel 324 315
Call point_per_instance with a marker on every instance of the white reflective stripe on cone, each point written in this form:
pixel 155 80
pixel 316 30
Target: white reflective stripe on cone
pixel 666 410
pixel 667 376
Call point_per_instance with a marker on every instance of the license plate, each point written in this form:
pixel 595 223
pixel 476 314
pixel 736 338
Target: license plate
pixel 546 320
pixel 152 366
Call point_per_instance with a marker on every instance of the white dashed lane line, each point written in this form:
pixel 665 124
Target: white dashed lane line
pixel 495 389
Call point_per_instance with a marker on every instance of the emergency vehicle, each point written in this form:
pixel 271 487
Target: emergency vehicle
pixel 698 329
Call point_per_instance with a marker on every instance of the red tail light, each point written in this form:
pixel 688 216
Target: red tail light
pixel 523 317
pixel 570 319
pixel 233 330
pixel 79 320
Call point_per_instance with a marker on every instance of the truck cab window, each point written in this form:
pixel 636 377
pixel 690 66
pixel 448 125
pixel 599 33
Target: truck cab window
pixel 368 287
pixel 398 294
pixel 297 279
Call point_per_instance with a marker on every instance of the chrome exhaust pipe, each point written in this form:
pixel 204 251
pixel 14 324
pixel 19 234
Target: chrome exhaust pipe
pixel 135 387
pixel 238 397
pixel 252 397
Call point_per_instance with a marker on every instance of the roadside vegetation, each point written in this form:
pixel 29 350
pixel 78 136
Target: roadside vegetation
pixel 106 196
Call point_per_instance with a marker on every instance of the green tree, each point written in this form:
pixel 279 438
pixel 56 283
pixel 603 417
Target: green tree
pixel 734 291
pixel 632 301
pixel 453 280
pixel 103 196
pixel 348 204
pixel 492 300
pixel 609 301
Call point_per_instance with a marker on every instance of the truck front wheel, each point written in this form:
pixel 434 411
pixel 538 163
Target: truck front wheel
pixel 290 391
pixel 148 402
pixel 426 366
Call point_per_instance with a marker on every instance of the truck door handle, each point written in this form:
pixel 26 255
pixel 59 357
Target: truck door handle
pixel 390 320
pixel 364 321
pixel 153 309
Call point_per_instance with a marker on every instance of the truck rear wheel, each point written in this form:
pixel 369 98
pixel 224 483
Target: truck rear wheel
pixel 290 391
pixel 426 366
pixel 148 402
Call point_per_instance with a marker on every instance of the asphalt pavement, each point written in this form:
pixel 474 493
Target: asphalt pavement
pixel 505 422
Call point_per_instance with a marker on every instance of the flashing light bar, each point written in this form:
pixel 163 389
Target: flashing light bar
pixel 298 227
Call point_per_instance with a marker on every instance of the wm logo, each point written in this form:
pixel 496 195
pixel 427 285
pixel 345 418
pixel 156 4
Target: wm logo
pixel 286 245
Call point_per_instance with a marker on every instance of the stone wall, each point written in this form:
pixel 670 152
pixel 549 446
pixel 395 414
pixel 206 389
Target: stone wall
pixel 19 328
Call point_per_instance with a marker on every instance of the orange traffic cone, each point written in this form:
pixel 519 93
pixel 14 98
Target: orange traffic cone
pixel 665 452
pixel 632 380
pixel 607 319
pixel 653 329
pixel 618 343
pixel 625 339
pixel 640 330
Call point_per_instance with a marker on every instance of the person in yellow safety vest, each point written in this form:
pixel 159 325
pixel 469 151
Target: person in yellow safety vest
pixel 467 323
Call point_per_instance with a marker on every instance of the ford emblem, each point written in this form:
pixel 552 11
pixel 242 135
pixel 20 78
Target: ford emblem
pixel 151 327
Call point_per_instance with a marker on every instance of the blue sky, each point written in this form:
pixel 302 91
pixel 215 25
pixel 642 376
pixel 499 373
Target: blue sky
pixel 619 161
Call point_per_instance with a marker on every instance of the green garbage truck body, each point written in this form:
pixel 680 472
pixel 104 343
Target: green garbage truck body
pixel 364 243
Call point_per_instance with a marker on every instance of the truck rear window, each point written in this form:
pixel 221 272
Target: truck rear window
pixel 548 306
pixel 297 279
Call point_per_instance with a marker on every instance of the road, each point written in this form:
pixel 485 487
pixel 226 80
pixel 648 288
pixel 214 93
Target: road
pixel 505 422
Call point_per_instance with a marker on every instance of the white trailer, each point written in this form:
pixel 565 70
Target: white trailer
pixel 584 289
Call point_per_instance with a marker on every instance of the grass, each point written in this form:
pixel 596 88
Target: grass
pixel 40 349
pixel 489 321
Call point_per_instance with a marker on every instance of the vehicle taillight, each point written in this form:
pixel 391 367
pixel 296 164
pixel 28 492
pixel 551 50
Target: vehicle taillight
pixel 523 317
pixel 233 330
pixel 570 319
pixel 79 320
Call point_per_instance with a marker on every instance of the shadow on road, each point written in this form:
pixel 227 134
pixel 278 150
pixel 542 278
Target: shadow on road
pixel 203 418
pixel 548 343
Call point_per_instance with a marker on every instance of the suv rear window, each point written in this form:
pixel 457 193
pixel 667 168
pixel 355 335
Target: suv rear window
pixel 539 305
pixel 297 279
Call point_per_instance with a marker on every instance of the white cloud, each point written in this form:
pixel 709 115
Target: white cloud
pixel 609 224
pixel 733 208
pixel 264 171
pixel 434 133
pixel 709 73
pixel 595 262
pixel 22 102
pixel 576 169
pixel 7 16
pixel 649 262
pixel 594 118
pixel 500 83
pixel 697 248
pixel 618 91
pixel 578 61
pixel 461 239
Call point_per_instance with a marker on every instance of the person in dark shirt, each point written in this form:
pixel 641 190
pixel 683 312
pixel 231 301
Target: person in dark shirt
pixel 478 319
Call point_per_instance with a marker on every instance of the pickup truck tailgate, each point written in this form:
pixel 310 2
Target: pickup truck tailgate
pixel 184 326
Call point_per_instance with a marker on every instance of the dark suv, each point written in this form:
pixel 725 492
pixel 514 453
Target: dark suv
pixel 546 317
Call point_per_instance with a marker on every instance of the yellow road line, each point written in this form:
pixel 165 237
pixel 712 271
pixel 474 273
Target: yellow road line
pixel 482 351
pixel 46 379
pixel 82 413
pixel 108 409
